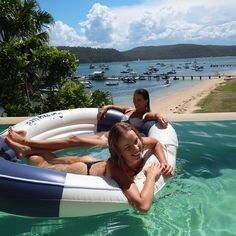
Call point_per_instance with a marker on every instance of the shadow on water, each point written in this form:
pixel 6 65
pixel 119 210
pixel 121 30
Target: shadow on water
pixel 206 148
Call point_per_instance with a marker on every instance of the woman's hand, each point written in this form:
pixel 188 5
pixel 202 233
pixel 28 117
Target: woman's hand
pixel 167 170
pixel 153 171
pixel 162 121
pixel 155 116
pixel 102 112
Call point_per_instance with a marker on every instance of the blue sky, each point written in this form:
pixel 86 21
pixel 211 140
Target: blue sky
pixel 125 24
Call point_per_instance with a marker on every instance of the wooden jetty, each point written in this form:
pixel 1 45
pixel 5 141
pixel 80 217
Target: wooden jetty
pixel 171 77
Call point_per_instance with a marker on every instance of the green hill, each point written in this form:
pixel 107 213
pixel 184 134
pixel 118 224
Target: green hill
pixel 180 51
pixel 92 55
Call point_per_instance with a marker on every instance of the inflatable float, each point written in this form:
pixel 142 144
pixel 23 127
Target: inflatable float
pixel 33 191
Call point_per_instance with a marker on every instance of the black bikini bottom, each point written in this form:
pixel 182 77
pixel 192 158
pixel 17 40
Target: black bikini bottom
pixel 89 165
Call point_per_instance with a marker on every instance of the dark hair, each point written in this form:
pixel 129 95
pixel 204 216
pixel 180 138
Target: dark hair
pixel 145 95
pixel 116 132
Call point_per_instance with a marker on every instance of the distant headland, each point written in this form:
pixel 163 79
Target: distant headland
pixel 99 55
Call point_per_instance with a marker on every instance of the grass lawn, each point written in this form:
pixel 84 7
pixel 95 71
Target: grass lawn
pixel 222 99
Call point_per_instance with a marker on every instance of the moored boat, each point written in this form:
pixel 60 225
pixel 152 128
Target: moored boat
pixel 111 83
pixel 97 75
pixel 87 84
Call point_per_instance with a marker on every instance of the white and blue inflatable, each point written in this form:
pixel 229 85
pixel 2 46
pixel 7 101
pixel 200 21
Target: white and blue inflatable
pixel 33 191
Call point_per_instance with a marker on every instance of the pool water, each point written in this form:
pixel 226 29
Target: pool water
pixel 199 200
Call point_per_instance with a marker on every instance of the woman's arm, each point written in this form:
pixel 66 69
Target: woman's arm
pixel 156 147
pixel 102 112
pixel 141 200
pixel 158 151
pixel 156 116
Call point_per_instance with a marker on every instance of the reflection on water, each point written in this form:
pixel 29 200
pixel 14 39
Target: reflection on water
pixel 199 200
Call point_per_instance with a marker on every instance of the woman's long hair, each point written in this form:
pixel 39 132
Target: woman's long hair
pixel 145 96
pixel 117 132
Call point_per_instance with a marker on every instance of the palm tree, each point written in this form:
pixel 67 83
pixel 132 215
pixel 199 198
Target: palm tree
pixel 25 21
pixel 23 18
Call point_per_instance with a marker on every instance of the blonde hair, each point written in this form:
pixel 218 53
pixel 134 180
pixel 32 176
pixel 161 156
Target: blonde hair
pixel 116 132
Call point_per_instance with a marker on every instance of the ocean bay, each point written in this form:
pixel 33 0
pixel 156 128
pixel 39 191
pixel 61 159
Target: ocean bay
pixel 122 93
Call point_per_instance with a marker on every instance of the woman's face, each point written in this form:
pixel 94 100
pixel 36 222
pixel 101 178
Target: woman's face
pixel 139 102
pixel 130 146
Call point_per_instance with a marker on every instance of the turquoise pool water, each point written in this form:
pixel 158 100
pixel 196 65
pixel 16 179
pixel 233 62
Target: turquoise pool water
pixel 199 200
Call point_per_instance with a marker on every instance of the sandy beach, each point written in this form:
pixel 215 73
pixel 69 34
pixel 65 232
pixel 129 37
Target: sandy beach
pixel 185 101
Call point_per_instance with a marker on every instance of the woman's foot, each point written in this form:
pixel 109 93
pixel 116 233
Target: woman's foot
pixel 21 150
pixel 17 136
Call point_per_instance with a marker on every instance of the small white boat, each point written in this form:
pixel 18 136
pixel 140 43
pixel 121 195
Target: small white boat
pixel 229 77
pixel 111 83
pixel 87 84
pixel 97 75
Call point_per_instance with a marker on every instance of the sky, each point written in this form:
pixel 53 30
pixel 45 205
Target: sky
pixel 126 24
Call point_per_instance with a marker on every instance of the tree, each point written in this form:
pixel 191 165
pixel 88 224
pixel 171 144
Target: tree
pixel 70 95
pixel 100 98
pixel 23 18
pixel 28 64
pixel 73 95
pixel 28 67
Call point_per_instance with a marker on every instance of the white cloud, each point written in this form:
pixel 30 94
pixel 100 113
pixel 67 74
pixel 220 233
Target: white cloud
pixel 153 23
pixel 62 34
pixel 98 27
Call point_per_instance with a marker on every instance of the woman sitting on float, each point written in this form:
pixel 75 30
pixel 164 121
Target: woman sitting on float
pixel 139 114
pixel 127 158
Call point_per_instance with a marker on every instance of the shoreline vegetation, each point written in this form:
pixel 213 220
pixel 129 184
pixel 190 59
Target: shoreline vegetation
pixel 215 95
pixel 222 98
pixel 104 55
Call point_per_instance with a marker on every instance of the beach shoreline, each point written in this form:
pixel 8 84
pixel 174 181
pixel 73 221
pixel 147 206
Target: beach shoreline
pixel 178 106
pixel 186 100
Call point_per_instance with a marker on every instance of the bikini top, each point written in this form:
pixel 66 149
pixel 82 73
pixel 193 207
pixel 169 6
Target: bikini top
pixel 135 121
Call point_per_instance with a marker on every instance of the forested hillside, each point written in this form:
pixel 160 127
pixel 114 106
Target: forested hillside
pixel 91 55
pixel 180 51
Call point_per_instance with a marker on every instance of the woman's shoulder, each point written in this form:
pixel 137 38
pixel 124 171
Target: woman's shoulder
pixel 112 170
pixel 119 175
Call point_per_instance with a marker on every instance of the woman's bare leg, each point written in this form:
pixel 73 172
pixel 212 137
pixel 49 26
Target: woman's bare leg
pixel 47 155
pixel 20 133
pixel 76 168
pixel 71 159
pixel 57 144
pixel 23 150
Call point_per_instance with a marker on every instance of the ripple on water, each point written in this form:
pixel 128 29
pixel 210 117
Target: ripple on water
pixel 195 206
pixel 223 125
pixel 230 136
pixel 201 134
